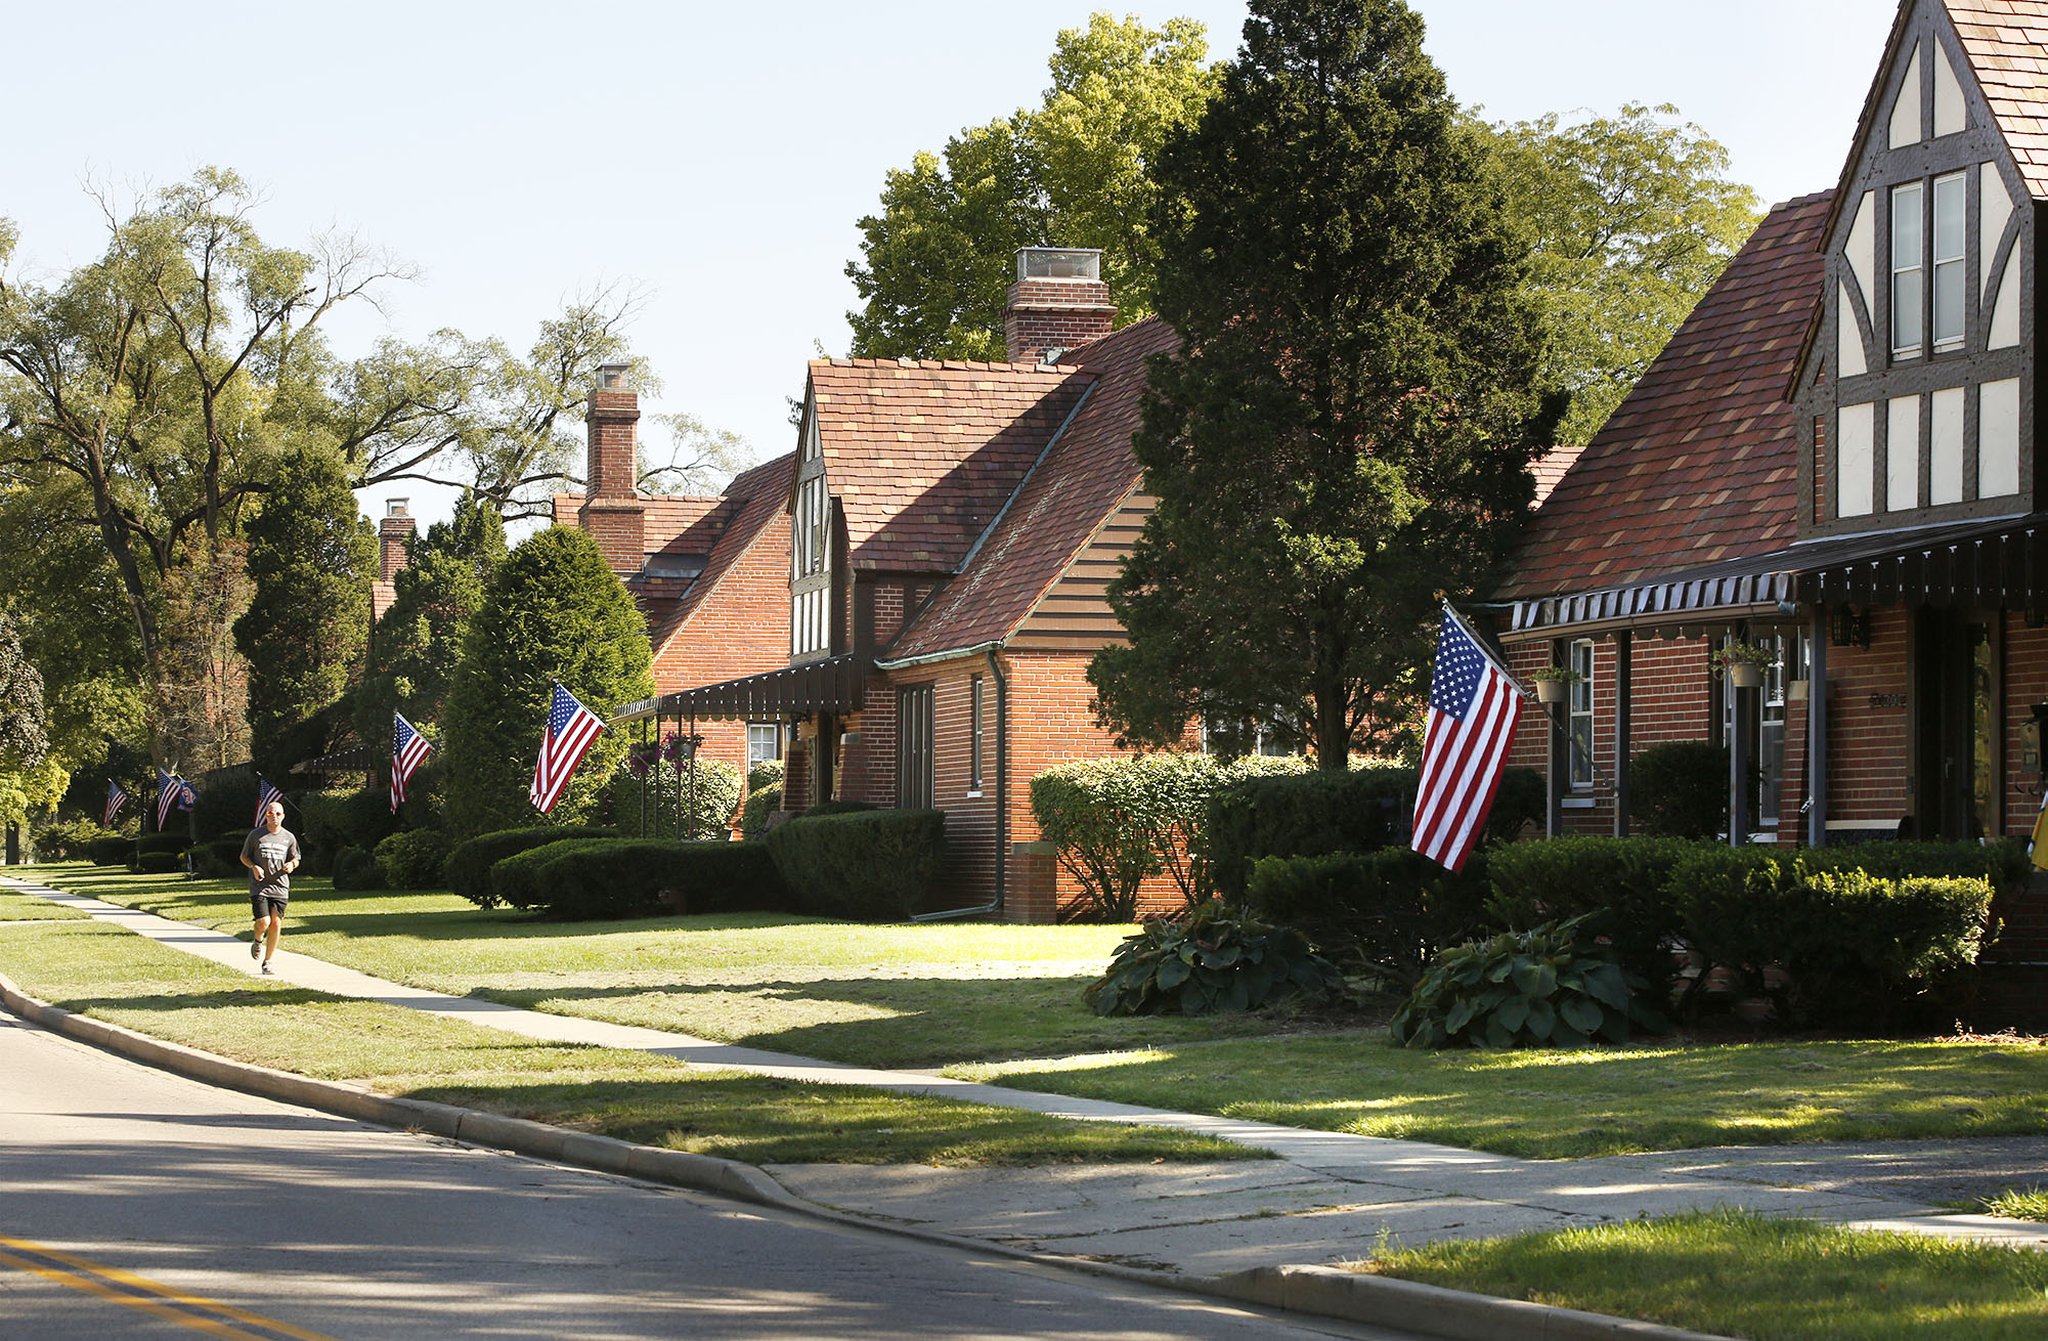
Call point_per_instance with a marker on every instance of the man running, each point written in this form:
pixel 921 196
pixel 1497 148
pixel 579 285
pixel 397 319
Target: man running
pixel 271 853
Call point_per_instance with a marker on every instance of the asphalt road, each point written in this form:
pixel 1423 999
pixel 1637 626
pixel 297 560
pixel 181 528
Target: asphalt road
pixel 139 1204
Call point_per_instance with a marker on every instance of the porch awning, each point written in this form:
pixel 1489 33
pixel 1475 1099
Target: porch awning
pixel 831 685
pixel 1989 564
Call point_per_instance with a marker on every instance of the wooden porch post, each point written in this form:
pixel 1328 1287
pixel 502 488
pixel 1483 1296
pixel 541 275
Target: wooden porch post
pixel 1624 679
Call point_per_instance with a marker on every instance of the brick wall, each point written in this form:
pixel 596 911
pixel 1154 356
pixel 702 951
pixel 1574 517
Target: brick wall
pixel 1047 314
pixel 1869 743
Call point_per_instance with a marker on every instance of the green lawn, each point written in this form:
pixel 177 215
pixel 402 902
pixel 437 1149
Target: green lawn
pixel 1735 1274
pixel 1001 1003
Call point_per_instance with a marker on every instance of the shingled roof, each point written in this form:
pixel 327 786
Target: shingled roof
pixel 921 455
pixel 2007 45
pixel 753 502
pixel 1088 472
pixel 1700 463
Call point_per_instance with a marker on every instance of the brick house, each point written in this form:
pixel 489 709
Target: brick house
pixel 1836 458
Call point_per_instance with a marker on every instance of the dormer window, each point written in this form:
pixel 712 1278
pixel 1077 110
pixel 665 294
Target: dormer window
pixel 1908 284
pixel 1930 236
pixel 1951 260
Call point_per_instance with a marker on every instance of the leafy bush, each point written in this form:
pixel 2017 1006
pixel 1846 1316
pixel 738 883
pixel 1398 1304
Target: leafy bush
pixel 218 858
pixel 667 804
pixel 1386 913
pixel 871 865
pixel 158 863
pixel 1214 958
pixel 762 802
pixel 1679 789
pixel 515 879
pixel 413 859
pixel 626 877
pixel 468 868
pixel 1545 987
pixel 144 855
pixel 1304 815
pixel 71 840
pixel 766 773
pixel 1094 813
pixel 839 808
pixel 1620 887
pixel 327 822
pixel 356 869
pixel 110 851
pixel 1522 799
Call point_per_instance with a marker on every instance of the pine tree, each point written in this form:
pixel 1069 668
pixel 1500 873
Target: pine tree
pixel 1346 429
pixel 553 612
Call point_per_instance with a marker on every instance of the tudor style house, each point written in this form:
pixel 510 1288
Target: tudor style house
pixel 1837 459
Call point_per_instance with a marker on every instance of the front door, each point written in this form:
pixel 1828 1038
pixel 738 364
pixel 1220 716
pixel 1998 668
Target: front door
pixel 1955 741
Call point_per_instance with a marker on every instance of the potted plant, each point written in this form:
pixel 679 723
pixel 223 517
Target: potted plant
pixel 1744 663
pixel 1553 683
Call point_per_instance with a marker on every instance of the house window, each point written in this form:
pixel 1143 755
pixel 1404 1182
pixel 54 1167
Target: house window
pixel 974 729
pixel 810 578
pixel 764 742
pixel 914 747
pixel 1581 715
pixel 1951 260
pixel 1908 280
pixel 1768 745
pixel 1234 738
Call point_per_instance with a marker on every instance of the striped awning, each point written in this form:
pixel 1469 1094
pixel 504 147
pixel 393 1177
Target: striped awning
pixel 831 685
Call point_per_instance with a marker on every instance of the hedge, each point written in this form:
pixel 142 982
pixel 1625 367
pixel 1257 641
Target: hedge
pixel 1305 815
pixel 873 865
pixel 413 859
pixel 468 868
pixel 628 877
pixel 354 868
pixel 327 822
pixel 1621 886
pixel 110 851
pixel 1385 913
pixel 515 879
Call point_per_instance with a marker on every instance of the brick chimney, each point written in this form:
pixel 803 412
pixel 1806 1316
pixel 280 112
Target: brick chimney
pixel 1059 302
pixel 392 533
pixel 613 512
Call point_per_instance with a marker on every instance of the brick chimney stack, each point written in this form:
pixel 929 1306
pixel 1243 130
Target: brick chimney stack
pixel 392 533
pixel 1059 302
pixel 613 512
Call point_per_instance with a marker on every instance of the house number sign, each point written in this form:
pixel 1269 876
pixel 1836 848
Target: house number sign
pixel 1887 700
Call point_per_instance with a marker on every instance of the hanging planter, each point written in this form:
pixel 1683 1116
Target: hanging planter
pixel 1554 683
pixel 1744 663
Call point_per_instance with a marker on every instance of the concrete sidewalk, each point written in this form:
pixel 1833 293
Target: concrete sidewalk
pixel 1328 1197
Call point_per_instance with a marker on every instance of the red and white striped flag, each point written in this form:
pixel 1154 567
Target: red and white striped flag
pixel 116 798
pixel 572 729
pixel 1473 708
pixel 408 751
pixel 266 792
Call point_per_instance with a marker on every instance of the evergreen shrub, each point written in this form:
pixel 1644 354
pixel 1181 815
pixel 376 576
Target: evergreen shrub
pixel 413 859
pixel 113 851
pixel 70 840
pixel 226 805
pixel 1305 815
pixel 873 865
pixel 1383 913
pixel 218 858
pixel 355 868
pixel 762 802
pixel 1621 887
pixel 468 868
pixel 158 863
pixel 332 820
pixel 515 878
pixel 631 877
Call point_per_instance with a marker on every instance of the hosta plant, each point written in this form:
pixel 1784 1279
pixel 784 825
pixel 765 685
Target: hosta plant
pixel 1212 959
pixel 1540 988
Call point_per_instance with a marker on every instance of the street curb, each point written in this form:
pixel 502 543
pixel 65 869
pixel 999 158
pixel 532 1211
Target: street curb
pixel 606 1154
pixel 1431 1309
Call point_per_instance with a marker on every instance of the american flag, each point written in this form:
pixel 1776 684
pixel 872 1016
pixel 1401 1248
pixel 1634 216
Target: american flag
pixel 172 793
pixel 266 792
pixel 116 798
pixel 408 750
pixel 572 730
pixel 1473 708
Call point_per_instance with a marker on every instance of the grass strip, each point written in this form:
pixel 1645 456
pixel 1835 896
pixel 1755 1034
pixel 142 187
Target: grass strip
pixel 114 975
pixel 16 907
pixel 1000 1003
pixel 1733 1273
pixel 2020 1204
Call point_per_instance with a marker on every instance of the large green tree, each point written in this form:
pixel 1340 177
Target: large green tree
pixel 1346 429
pixel 553 612
pixel 1075 171
pixel 310 560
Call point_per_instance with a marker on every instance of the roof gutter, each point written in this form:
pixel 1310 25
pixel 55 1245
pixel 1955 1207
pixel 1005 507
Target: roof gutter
pixel 930 658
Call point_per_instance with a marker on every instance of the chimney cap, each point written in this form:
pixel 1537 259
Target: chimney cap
pixel 613 375
pixel 395 507
pixel 1083 263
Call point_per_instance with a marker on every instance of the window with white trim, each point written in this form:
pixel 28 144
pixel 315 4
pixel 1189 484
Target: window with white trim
pixel 1579 724
pixel 1951 260
pixel 976 725
pixel 1908 278
pixel 764 742
pixel 810 577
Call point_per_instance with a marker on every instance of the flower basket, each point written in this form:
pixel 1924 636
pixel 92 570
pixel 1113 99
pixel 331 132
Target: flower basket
pixel 1554 683
pixel 1744 663
pixel 1552 691
pixel 1745 675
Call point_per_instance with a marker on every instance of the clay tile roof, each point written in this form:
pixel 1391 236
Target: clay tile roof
pixel 752 503
pixel 2006 42
pixel 1085 476
pixel 1700 463
pixel 922 454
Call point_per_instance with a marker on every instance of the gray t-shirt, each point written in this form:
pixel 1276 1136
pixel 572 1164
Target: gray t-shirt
pixel 271 851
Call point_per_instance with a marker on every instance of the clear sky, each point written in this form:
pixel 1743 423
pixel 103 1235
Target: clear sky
pixel 718 155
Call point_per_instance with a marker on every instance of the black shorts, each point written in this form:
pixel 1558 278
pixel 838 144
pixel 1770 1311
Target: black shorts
pixel 265 905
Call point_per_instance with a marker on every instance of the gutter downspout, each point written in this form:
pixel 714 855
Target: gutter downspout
pixel 995 670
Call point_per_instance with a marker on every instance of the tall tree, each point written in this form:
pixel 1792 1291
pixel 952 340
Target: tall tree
pixel 310 560
pixel 1347 427
pixel 1073 172
pixel 553 612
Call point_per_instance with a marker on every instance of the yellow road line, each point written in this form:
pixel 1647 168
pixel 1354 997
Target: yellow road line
pixel 121 1287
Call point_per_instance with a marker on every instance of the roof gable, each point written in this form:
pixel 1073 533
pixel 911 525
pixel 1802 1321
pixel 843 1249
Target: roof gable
pixel 753 502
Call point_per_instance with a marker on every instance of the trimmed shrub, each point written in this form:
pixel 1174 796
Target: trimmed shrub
pixel 413 859
pixel 629 877
pixel 675 807
pixel 145 855
pixel 1384 913
pixel 356 869
pixel 824 808
pixel 110 851
pixel 871 865
pixel 767 773
pixel 327 822
pixel 1094 811
pixel 1621 887
pixel 1680 789
pixel 69 840
pixel 468 868
pixel 1305 815
pixel 158 863
pixel 1215 958
pixel 515 878
pixel 218 859
pixel 762 802
pixel 1546 987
